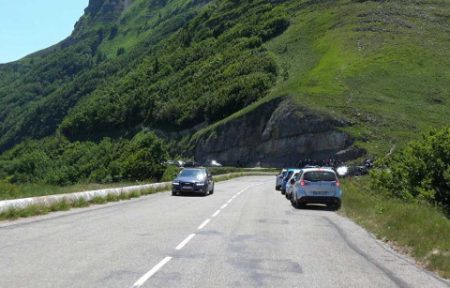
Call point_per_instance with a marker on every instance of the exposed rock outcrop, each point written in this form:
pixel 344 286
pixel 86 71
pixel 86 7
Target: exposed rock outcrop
pixel 278 133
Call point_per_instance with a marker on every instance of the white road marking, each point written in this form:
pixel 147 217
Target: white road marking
pixel 204 224
pixel 150 273
pixel 184 242
pixel 180 246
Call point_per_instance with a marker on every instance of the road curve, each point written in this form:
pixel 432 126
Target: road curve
pixel 245 235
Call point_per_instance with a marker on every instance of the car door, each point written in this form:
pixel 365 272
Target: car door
pixel 209 180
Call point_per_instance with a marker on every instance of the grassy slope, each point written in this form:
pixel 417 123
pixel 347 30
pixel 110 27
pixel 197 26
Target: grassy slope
pixel 416 229
pixel 383 66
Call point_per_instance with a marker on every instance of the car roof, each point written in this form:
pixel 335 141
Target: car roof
pixel 318 169
pixel 194 168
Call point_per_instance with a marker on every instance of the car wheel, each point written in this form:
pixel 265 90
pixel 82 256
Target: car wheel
pixel 336 206
pixel 295 204
pixel 212 190
pixel 283 191
pixel 174 194
pixel 293 200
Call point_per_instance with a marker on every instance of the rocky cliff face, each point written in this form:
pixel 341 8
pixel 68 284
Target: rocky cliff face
pixel 276 134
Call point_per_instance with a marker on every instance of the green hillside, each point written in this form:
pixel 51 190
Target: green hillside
pixel 180 67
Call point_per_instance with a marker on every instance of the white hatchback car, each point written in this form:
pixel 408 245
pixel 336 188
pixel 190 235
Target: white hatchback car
pixel 317 185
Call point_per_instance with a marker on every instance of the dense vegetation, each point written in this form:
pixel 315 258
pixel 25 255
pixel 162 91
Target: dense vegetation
pixel 177 66
pixel 55 160
pixel 420 171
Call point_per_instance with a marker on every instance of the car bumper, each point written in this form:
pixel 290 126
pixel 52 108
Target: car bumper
pixel 193 190
pixel 319 199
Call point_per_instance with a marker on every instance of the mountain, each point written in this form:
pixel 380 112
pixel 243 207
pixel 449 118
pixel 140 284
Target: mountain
pixel 268 81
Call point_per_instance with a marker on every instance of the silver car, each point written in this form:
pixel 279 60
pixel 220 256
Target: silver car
pixel 290 183
pixel 279 179
pixel 317 185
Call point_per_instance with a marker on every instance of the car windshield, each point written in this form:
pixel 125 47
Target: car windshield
pixel 191 173
pixel 316 176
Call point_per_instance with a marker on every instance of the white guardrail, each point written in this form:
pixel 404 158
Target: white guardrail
pixel 89 195
pixel 72 197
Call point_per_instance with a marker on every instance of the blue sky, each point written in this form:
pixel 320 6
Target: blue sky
pixel 27 26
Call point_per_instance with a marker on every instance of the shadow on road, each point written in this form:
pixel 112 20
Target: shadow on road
pixel 316 207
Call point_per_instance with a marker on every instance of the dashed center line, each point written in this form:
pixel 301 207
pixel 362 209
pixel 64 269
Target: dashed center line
pixel 150 273
pixel 184 242
pixel 216 213
pixel 204 224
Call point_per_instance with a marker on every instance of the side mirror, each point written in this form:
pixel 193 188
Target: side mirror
pixel 292 181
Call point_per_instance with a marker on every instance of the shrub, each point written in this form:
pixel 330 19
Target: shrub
pixel 420 171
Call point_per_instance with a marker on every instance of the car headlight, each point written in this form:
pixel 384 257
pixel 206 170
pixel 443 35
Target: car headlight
pixel 175 183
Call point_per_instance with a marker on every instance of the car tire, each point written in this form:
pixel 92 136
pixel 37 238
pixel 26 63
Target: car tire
pixel 212 190
pixel 174 194
pixel 283 192
pixel 336 206
pixel 293 202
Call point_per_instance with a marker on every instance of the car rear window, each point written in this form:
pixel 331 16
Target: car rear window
pixel 316 176
pixel 289 174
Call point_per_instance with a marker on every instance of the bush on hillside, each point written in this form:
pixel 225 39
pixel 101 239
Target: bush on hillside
pixel 420 171
pixel 57 161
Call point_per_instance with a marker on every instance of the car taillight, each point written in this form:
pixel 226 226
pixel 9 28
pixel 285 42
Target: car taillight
pixel 337 183
pixel 302 183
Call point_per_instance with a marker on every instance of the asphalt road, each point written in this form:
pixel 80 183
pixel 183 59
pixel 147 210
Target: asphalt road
pixel 245 235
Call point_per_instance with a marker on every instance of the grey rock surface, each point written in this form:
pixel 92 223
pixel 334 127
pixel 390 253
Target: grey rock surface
pixel 278 133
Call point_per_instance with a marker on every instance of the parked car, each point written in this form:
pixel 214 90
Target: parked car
pixel 290 183
pixel 288 175
pixel 193 180
pixel 317 185
pixel 177 163
pixel 212 163
pixel 279 179
pixel 191 163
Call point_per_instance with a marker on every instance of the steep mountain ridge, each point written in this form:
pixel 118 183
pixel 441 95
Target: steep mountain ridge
pixel 363 75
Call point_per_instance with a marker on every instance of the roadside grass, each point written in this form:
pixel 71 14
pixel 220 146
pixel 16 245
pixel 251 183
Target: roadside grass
pixel 417 229
pixel 11 191
pixel 65 205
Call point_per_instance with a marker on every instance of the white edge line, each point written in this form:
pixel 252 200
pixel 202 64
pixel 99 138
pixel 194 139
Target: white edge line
pixel 184 242
pixel 229 201
pixel 204 224
pixel 224 206
pixel 150 273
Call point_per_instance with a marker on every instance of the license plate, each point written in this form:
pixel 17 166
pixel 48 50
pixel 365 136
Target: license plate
pixel 320 193
pixel 187 188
